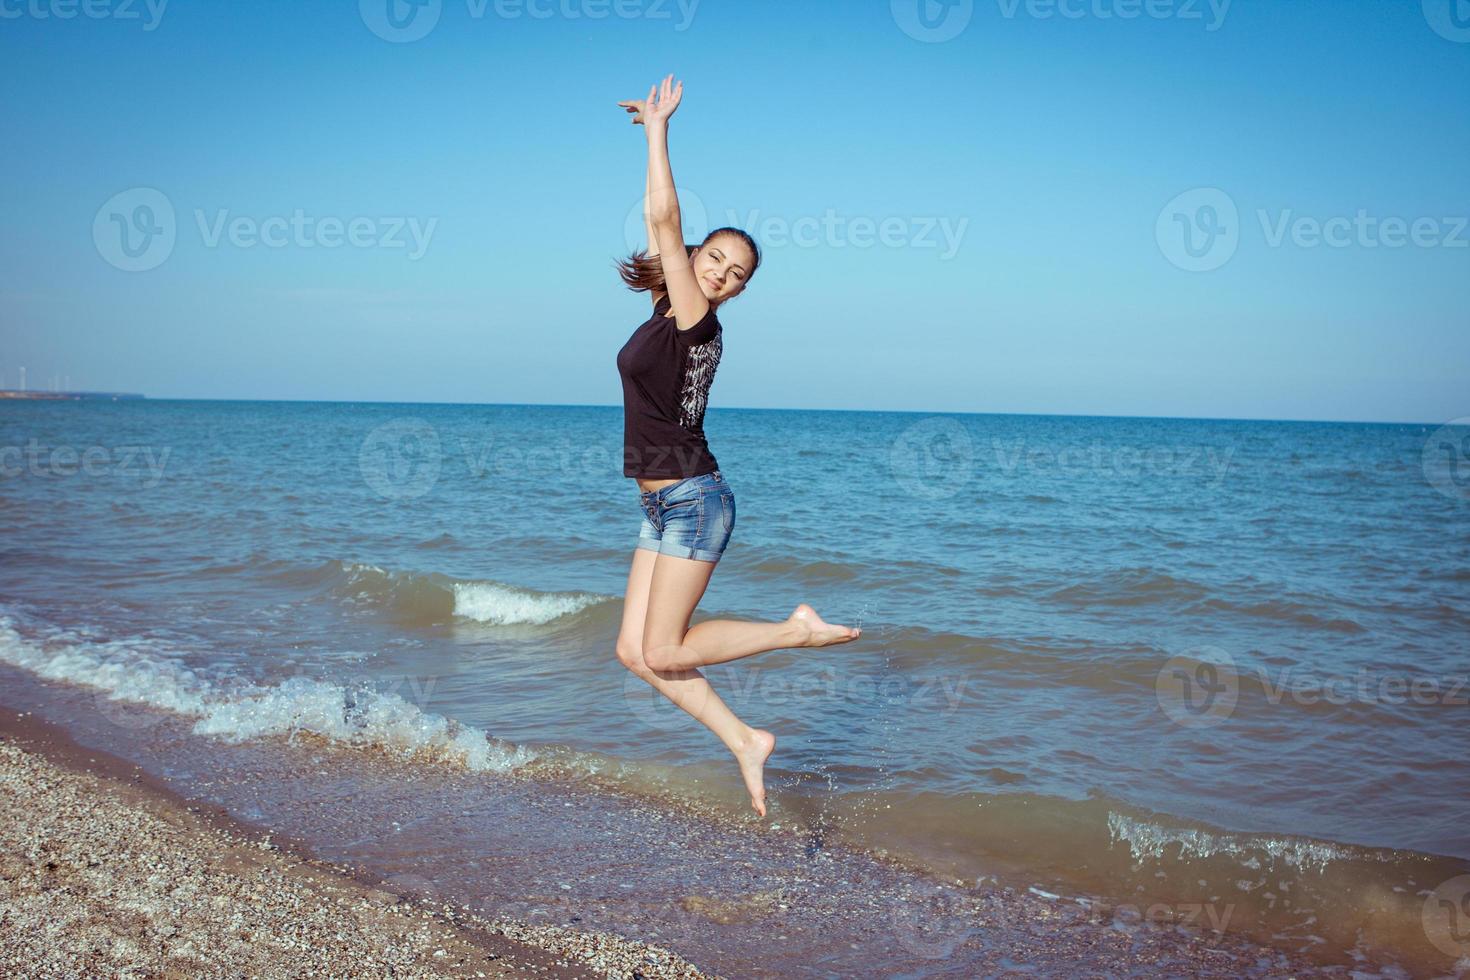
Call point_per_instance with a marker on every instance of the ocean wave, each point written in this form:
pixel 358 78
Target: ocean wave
pixel 1147 840
pixel 427 598
pixel 814 572
pixel 1130 587
pixel 1251 599
pixel 1280 610
pixel 445 540
pixel 137 672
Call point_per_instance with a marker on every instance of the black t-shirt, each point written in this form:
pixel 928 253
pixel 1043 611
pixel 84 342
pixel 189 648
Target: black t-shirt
pixel 667 373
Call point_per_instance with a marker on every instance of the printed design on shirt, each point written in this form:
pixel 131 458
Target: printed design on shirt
pixel 699 374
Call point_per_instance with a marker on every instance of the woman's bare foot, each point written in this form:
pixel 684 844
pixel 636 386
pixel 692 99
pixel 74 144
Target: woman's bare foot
pixel 752 758
pixel 816 633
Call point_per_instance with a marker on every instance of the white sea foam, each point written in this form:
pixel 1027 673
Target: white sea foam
pixel 361 717
pixel 126 671
pixel 1149 840
pixel 129 672
pixel 489 603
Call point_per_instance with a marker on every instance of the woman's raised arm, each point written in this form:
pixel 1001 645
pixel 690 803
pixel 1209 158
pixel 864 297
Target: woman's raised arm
pixel 635 108
pixel 686 298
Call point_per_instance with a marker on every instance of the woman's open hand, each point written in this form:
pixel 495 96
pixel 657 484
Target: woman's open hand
pixel 662 101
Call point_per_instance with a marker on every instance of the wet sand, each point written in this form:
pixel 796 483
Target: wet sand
pixel 104 871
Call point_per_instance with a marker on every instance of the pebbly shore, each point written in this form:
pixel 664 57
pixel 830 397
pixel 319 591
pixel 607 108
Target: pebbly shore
pixel 103 875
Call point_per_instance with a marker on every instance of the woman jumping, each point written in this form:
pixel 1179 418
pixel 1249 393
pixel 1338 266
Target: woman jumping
pixel 667 367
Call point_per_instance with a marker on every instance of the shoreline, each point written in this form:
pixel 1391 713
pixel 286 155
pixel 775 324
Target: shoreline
pixel 107 868
pixel 822 901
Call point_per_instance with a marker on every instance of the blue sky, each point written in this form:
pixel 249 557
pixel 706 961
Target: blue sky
pixel 1004 206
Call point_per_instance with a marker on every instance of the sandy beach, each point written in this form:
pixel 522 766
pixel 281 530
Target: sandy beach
pixel 105 873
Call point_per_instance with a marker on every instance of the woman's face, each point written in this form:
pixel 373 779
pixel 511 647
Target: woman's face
pixel 721 268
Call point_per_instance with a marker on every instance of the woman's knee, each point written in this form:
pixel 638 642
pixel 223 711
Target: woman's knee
pixel 662 655
pixel 630 655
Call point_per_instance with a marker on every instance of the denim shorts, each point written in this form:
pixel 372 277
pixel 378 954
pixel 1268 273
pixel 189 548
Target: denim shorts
pixel 689 519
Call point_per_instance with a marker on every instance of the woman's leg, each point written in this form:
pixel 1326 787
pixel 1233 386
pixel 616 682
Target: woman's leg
pixel 669 644
pixel 688 688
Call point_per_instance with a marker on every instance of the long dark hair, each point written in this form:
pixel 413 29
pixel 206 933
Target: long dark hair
pixel 643 272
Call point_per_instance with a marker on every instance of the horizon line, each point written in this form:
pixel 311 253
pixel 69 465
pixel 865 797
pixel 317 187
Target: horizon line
pixel 755 408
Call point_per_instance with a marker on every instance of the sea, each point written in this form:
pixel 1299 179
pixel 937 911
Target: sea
pixel 1128 690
